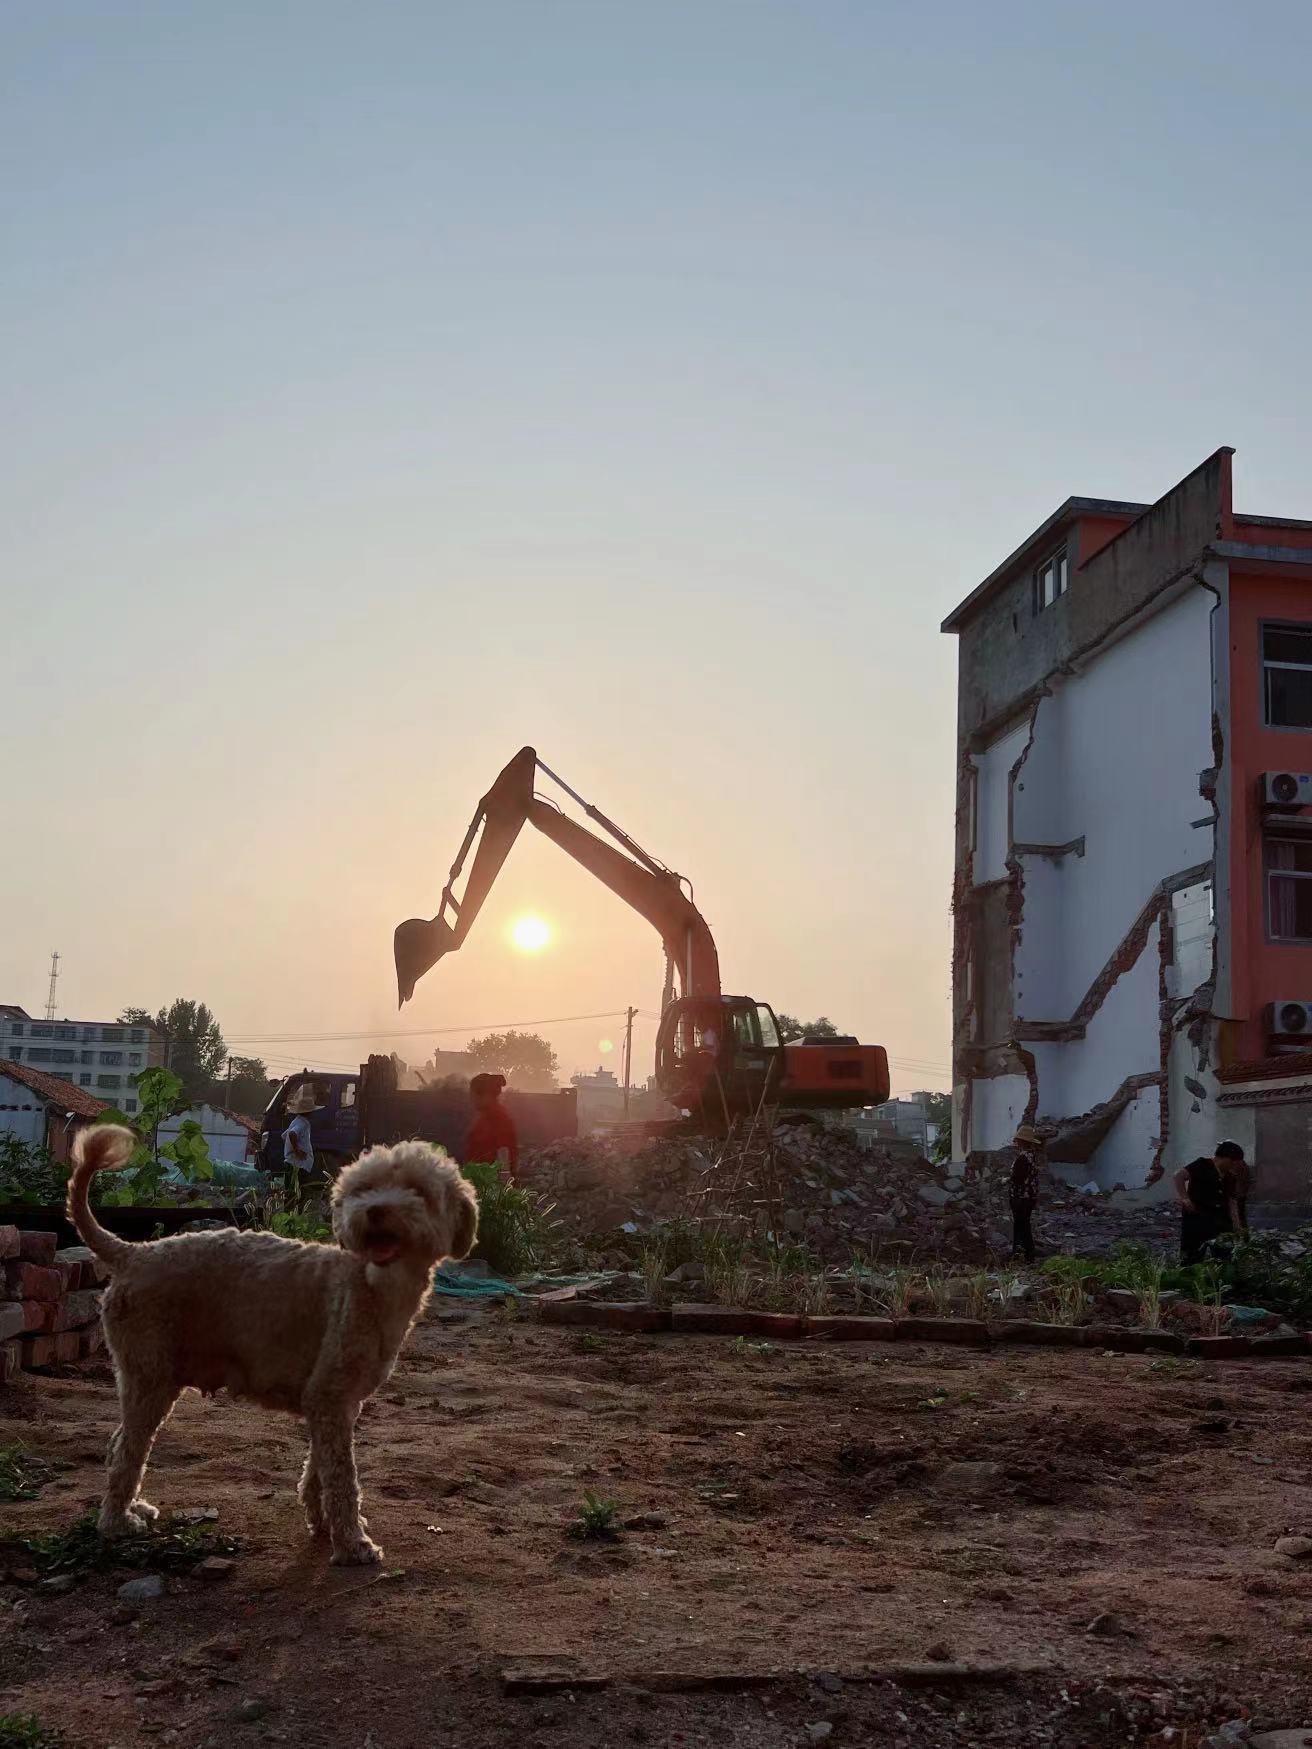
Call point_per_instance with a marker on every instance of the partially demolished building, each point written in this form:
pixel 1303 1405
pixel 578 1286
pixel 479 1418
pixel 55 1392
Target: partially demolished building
pixel 1132 964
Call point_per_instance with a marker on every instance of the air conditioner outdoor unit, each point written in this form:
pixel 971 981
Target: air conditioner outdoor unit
pixel 1289 1020
pixel 1287 789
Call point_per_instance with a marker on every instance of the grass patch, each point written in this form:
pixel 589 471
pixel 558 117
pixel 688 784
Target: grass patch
pixel 22 1476
pixel 597 1519
pixel 25 1731
pixel 174 1546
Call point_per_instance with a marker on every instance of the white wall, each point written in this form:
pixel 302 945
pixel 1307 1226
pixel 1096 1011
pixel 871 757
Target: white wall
pixel 992 790
pixel 227 1138
pixel 1113 758
pixel 997 1106
pixel 1116 755
pixel 28 1122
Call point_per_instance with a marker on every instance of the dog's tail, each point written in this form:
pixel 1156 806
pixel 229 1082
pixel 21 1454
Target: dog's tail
pixel 101 1148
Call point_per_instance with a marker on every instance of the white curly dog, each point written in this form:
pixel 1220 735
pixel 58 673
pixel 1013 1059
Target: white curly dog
pixel 311 1329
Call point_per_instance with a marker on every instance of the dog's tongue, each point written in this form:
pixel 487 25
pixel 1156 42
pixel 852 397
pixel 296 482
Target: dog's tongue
pixel 385 1252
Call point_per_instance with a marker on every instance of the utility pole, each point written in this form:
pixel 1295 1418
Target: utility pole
pixel 628 1055
pixel 54 979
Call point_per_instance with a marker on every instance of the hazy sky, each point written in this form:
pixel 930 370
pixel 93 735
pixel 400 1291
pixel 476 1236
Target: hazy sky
pixel 386 387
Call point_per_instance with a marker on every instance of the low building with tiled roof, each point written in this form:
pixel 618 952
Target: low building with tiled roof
pixel 43 1109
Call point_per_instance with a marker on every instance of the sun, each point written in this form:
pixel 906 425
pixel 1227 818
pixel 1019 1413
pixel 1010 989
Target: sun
pixel 530 934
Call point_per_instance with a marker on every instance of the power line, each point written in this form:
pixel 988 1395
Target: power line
pixel 469 1028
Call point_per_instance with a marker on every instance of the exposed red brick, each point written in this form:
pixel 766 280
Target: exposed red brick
pixel 38 1315
pixel 37 1351
pixel 1112 1336
pixel 9 1242
pixel 90 1341
pixel 38 1248
pixel 67 1347
pixel 29 1281
pixel 79 1308
pixel 1218 1347
pixel 1278 1346
pixel 837 1328
pixel 1160 1342
pixel 630 1315
pixel 1039 1334
pixel 971 1331
pixel 564 1311
pixel 714 1320
pixel 12 1319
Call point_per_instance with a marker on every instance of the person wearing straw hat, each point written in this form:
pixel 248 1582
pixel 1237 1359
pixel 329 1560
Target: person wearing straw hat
pixel 1023 1193
pixel 297 1141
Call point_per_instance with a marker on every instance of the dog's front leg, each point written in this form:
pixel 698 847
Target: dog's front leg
pixel 332 1459
pixel 144 1403
pixel 310 1491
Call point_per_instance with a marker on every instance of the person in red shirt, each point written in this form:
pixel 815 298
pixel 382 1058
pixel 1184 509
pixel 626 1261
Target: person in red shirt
pixel 492 1132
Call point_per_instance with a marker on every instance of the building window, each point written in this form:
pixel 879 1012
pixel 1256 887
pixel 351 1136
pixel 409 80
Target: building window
pixel 84 1080
pixel 134 1058
pixel 111 1057
pixel 39 1054
pixel 16 1053
pixel 1287 676
pixel 1289 888
pixel 1051 581
pixel 109 1035
pixel 137 1035
pixel 15 1029
pixel 63 1056
pixel 129 1105
pixel 40 1029
pixel 109 1080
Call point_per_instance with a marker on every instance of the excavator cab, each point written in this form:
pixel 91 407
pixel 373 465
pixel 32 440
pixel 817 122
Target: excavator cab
pixel 718 1058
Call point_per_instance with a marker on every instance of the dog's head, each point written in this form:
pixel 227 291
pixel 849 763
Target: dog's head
pixel 406 1202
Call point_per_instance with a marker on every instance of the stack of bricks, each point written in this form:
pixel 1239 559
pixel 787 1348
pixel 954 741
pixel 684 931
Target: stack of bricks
pixel 49 1302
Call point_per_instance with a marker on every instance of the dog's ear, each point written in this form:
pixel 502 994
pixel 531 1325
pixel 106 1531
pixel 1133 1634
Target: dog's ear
pixel 464 1218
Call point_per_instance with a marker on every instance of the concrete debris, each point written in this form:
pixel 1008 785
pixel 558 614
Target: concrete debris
pixel 815 1186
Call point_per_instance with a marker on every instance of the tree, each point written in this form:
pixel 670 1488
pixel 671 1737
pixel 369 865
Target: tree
pixel 938 1110
pixel 245 1086
pixel 791 1028
pixel 196 1051
pixel 527 1061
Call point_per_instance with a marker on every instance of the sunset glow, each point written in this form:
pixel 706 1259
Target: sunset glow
pixel 530 934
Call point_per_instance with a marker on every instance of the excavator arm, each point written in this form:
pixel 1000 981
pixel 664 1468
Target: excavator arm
pixel 654 891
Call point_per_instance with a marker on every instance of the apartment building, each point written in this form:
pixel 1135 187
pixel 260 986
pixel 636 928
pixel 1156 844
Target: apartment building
pixel 1132 964
pixel 99 1056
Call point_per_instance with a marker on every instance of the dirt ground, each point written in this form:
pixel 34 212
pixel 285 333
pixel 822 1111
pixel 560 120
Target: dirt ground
pixel 807 1521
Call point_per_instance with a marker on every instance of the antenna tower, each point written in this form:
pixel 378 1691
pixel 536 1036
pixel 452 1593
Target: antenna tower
pixel 54 979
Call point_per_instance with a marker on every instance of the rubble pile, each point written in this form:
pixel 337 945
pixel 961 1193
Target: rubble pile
pixel 814 1186
pixel 818 1187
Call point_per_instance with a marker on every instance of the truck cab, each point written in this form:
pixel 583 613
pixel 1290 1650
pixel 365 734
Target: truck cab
pixel 335 1131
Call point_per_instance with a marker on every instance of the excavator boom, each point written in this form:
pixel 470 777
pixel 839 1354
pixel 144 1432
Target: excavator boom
pixel 653 890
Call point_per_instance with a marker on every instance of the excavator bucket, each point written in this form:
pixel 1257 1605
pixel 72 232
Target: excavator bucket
pixel 418 943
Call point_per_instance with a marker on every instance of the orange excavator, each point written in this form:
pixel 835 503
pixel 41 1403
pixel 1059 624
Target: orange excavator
pixel 717 1056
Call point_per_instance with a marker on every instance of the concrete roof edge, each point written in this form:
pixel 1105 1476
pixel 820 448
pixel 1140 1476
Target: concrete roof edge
pixel 1063 514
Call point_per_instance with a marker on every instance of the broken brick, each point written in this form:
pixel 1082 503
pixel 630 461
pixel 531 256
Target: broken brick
pixel 9 1242
pixel 29 1281
pixel 832 1327
pixel 970 1331
pixel 1218 1347
pixel 1039 1334
pixel 38 1248
pixel 713 1320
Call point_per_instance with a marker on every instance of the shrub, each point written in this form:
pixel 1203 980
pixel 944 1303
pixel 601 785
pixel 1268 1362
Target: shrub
pixel 28 1174
pixel 514 1230
pixel 596 1518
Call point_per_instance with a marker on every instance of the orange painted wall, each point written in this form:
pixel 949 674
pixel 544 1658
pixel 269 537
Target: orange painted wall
pixel 1262 970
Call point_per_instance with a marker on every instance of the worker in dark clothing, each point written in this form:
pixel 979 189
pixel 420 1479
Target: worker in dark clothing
pixel 1237 1177
pixel 492 1138
pixel 1200 1192
pixel 1024 1190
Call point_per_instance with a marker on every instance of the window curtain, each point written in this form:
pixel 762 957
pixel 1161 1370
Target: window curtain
pixel 1284 917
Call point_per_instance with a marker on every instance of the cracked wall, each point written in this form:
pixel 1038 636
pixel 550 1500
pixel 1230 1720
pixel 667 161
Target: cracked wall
pixel 1104 830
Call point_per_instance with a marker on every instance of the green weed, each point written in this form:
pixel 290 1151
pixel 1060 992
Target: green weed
pixel 515 1232
pixel 25 1731
pixel 597 1519
pixel 173 1546
pixel 22 1476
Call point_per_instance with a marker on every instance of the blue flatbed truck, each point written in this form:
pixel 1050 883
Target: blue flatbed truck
pixel 367 1107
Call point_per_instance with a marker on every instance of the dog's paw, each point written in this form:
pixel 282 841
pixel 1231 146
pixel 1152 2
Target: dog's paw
pixel 365 1553
pixel 116 1524
pixel 143 1510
